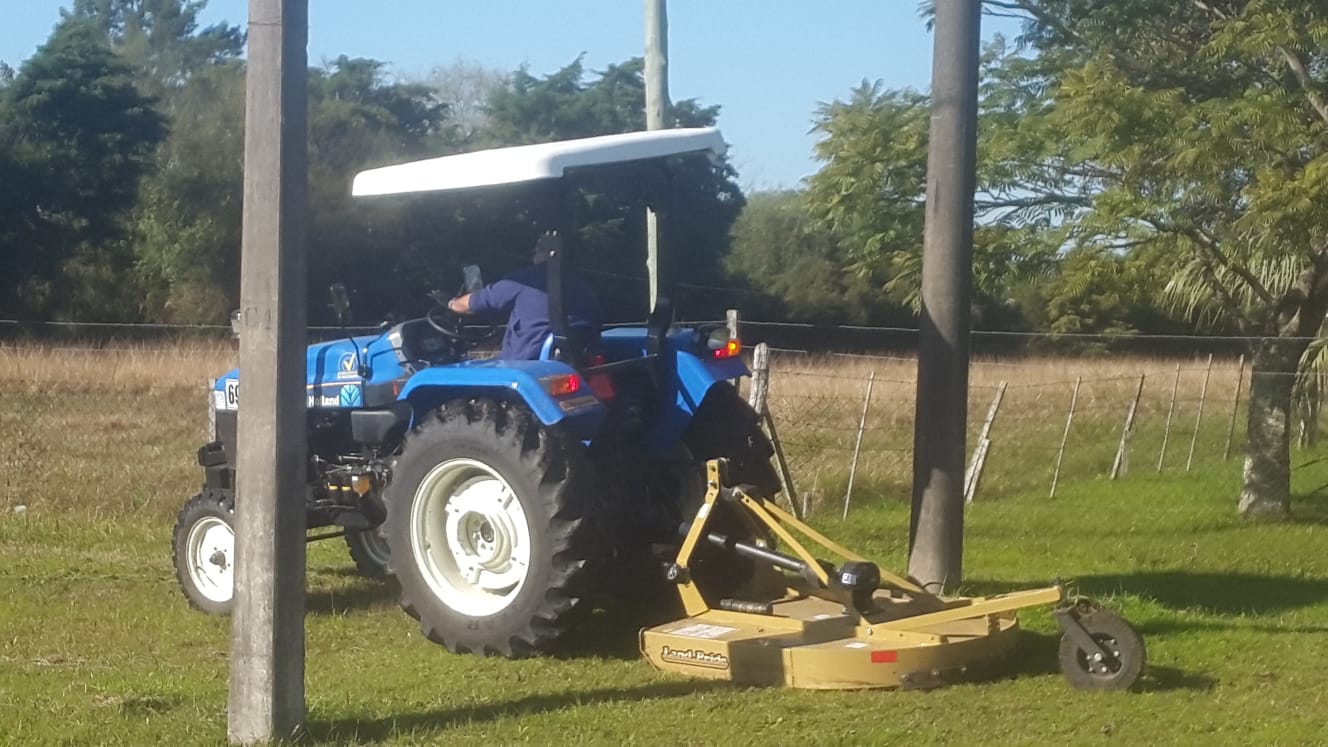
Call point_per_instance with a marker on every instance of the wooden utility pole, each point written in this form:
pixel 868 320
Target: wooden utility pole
pixel 657 116
pixel 936 528
pixel 267 624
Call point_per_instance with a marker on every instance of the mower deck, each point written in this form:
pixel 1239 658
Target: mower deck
pixel 857 627
pixel 812 643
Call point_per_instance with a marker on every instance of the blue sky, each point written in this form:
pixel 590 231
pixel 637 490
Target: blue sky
pixel 768 63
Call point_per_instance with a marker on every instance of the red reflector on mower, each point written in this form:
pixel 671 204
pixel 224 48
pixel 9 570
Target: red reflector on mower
pixel 559 386
pixel 885 657
pixel 731 349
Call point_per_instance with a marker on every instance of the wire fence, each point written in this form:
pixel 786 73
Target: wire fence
pixel 1036 421
pixel 86 406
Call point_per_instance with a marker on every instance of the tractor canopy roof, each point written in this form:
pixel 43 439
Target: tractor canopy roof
pixel 525 163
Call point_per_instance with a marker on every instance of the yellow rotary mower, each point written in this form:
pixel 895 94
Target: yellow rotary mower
pixel 802 622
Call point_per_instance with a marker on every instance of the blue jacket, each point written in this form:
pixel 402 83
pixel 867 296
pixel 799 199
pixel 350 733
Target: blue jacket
pixel 524 297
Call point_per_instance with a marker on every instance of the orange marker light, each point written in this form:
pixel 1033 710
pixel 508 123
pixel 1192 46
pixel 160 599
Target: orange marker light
pixel 731 349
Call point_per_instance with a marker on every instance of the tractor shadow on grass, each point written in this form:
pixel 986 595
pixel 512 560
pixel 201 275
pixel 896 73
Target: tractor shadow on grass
pixel 612 632
pixel 350 592
pixel 357 731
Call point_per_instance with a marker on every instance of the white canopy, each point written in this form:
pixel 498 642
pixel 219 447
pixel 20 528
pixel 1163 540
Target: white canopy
pixel 524 163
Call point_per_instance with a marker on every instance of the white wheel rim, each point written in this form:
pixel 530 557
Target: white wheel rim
pixel 470 537
pixel 212 558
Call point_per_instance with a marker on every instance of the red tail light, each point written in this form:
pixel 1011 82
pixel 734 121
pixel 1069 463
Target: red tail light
pixel 561 386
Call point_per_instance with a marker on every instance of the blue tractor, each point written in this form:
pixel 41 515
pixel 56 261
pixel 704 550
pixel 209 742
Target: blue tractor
pixel 508 497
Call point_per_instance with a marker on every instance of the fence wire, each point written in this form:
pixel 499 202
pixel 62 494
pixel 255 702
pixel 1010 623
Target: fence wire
pixel 77 416
pixel 1058 419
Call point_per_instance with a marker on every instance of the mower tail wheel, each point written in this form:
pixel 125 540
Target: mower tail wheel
pixel 1116 667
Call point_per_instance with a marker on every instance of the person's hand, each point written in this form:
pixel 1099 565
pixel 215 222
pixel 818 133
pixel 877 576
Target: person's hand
pixel 460 304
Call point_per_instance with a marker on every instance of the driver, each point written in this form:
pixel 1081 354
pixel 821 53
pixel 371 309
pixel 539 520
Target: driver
pixel 523 296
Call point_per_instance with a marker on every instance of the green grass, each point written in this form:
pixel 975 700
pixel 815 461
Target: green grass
pixel 98 647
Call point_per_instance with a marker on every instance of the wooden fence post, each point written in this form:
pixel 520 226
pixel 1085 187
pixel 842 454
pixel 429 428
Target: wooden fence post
pixel 1198 418
pixel 983 445
pixel 758 399
pixel 1171 409
pixel 760 389
pixel 1235 408
pixel 1122 464
pixel 1060 454
pixel 857 447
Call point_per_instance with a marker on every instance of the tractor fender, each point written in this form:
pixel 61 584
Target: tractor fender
pixel 694 378
pixel 523 381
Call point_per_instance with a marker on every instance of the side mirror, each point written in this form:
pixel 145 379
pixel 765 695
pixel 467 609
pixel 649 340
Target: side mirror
pixel 340 303
pixel 473 279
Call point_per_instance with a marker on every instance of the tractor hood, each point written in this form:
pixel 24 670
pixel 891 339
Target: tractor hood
pixel 526 163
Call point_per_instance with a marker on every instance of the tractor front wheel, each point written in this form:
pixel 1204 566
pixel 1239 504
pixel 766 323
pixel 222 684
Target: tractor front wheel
pixel 203 551
pixel 369 549
pixel 488 528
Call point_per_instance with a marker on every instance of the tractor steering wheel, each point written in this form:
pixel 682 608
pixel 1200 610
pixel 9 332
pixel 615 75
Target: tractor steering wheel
pixel 449 324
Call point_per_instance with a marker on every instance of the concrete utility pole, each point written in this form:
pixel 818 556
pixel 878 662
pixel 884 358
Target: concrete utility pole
pixel 657 115
pixel 267 628
pixel 936 530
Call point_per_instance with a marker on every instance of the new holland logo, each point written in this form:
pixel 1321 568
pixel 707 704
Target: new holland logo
pixel 350 396
pixel 695 657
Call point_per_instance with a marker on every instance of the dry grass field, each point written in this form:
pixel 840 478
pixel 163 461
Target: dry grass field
pixel 818 404
pixel 114 429
pixel 97 645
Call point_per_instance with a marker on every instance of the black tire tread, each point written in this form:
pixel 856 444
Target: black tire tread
pixel 558 468
pixel 726 426
pixel 1100 623
pixel 366 563
pixel 209 502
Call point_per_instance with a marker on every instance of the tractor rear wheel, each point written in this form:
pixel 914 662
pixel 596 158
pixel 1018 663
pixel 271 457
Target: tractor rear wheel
pixel 726 426
pixel 203 551
pixel 487 520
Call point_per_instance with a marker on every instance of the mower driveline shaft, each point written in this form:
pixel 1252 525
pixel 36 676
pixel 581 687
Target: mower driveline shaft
pixel 778 559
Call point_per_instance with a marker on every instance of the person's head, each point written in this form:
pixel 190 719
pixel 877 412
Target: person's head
pixel 539 255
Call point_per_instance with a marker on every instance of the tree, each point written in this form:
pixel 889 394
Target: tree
pixel 186 223
pixel 796 268
pixel 79 136
pixel 1146 130
pixel 466 86
pixel 1202 129
pixel 870 196
pixel 161 38
pixel 360 118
